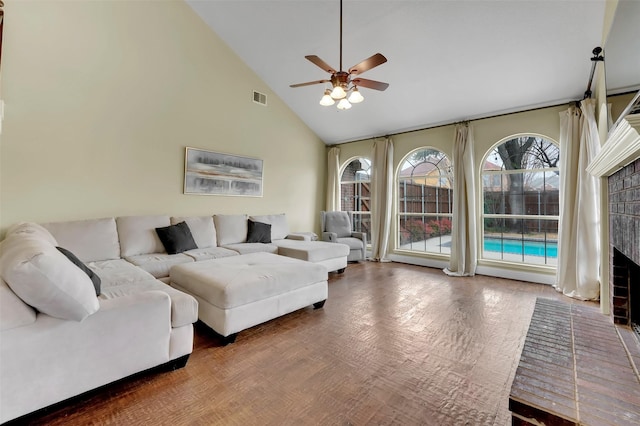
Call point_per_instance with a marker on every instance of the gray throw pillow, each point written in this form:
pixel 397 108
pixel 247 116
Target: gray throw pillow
pixel 95 279
pixel 259 232
pixel 176 238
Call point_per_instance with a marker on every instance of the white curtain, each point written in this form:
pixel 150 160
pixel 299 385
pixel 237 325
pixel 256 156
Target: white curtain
pixel 333 179
pixel 463 231
pixel 578 231
pixel 381 198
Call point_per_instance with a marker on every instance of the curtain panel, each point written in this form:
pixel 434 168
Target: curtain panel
pixel 333 179
pixel 381 198
pixel 464 256
pixel 578 268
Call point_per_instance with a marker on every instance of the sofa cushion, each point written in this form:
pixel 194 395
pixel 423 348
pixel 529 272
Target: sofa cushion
pixel 210 253
pixel 184 308
pixel 118 272
pixel 231 228
pixel 278 222
pixel 158 264
pixel 258 232
pixel 176 238
pixel 90 240
pixel 31 229
pixel 13 311
pixel 202 229
pixel 353 243
pixel 45 279
pixel 338 222
pixel 138 234
pixel 95 279
pixel 246 248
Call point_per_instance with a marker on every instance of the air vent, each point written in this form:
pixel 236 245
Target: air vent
pixel 259 98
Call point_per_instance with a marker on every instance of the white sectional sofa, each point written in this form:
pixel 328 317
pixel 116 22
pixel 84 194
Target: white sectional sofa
pixel 58 339
pixel 52 348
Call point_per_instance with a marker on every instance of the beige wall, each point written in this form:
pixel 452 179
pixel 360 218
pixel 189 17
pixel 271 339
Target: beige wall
pixel 102 97
pixel 487 132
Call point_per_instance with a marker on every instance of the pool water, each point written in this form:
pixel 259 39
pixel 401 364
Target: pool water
pixel 531 248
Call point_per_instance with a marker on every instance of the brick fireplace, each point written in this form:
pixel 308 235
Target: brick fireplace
pixel 618 162
pixel 624 239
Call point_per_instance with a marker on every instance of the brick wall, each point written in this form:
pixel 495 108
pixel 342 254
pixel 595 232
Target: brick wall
pixel 624 237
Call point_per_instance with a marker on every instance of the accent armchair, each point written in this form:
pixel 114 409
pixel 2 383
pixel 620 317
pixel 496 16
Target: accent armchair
pixel 337 228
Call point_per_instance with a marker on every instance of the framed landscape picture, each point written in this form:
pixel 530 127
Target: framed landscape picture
pixel 214 173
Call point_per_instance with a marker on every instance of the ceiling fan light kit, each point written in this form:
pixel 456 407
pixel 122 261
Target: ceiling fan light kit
pixel 342 83
pixel 327 99
pixel 344 104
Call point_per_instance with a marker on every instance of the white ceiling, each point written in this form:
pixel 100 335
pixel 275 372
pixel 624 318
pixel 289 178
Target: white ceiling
pixel 448 61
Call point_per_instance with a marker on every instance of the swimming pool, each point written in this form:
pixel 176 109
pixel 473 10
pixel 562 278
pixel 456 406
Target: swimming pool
pixel 529 247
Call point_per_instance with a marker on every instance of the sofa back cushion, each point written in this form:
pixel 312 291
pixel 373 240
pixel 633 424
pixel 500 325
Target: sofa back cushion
pixel 202 229
pixel 278 222
pixel 90 240
pixel 231 228
pixel 13 311
pixel 45 279
pixel 138 234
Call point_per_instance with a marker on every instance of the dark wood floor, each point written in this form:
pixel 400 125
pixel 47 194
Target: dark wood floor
pixel 394 344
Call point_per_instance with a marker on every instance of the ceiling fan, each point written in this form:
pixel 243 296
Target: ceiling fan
pixel 343 81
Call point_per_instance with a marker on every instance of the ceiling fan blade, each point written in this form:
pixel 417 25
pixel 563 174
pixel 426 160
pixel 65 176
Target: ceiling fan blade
pixel 309 83
pixel 367 64
pixel 322 64
pixel 370 84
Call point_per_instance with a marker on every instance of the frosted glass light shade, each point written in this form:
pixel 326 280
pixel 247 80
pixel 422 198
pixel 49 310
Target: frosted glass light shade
pixel 356 97
pixel 327 100
pixel 338 93
pixel 344 104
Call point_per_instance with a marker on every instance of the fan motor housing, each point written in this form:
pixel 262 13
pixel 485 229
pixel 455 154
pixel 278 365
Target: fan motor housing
pixel 340 78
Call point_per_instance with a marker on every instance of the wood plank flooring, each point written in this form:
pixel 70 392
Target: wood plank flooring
pixel 394 344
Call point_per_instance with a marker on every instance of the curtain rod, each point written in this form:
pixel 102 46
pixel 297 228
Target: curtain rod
pixel 597 57
pixel 468 121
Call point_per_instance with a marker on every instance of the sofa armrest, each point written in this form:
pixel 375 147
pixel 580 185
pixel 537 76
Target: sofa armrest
pixel 331 237
pixel 128 334
pixel 303 236
pixel 361 236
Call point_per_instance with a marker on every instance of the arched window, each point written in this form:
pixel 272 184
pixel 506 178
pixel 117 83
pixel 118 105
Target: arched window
pixel 425 201
pixel 520 189
pixel 355 194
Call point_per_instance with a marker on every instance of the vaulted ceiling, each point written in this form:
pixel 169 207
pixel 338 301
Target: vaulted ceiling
pixel 447 60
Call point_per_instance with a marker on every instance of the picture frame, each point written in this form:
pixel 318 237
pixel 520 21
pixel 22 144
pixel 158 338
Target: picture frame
pixel 216 173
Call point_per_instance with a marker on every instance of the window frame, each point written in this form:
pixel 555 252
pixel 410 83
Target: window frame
pixel 358 216
pixel 482 216
pixel 437 215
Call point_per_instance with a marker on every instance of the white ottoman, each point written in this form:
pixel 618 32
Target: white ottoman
pixel 332 256
pixel 238 292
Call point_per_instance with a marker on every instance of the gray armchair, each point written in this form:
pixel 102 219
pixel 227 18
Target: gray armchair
pixel 336 228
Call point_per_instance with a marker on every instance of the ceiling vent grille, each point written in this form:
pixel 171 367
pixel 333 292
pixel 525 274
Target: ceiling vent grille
pixel 259 98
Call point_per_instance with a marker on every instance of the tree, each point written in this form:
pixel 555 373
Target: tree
pixel 524 152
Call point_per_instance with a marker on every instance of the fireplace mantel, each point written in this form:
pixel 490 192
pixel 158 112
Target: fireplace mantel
pixel 621 148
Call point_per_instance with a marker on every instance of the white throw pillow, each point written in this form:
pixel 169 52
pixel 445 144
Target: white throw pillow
pixel 32 230
pixel 46 280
